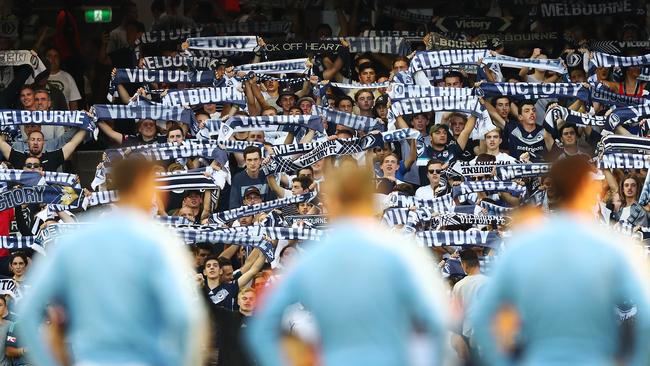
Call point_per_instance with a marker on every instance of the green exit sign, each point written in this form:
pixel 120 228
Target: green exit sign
pixel 103 15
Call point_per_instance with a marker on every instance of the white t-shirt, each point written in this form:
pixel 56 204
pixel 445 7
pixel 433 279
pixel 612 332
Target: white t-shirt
pixel 501 157
pixel 64 82
pixel 466 291
pixel 425 193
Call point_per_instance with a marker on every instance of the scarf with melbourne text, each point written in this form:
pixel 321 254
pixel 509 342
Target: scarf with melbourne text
pixel 555 65
pixel 437 41
pixel 584 9
pixel 355 122
pixel 201 96
pixel 534 90
pixel 465 104
pixel 243 211
pixel 337 147
pixel 178 61
pixel 272 232
pixel 399 91
pixel 517 171
pixel 383 45
pixel 161 152
pixel 51 195
pixel 28 178
pixel 193 235
pixel 80 119
pixel 426 60
pixel 475 169
pixel 570 116
pixel 143 111
pixel 293 66
pixel 488 186
pixel 489 239
pixel 223 43
pixel 440 204
pixel 22 57
pixel 99 198
pixel 601 94
pixel 624 161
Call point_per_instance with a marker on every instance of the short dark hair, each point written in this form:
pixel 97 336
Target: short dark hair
pixel 308 167
pixel 434 161
pixel 568 125
pixel 453 74
pixel 405 188
pixel 342 98
pixel 223 262
pixel 400 58
pixel 525 102
pixel 366 65
pixel 494 100
pixel 305 182
pixel 251 150
pixel 360 91
pixel 36 132
pixel 213 257
pixel 469 257
pixel 485 158
pixel 175 126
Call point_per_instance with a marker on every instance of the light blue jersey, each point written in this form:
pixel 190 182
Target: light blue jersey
pixel 124 285
pixel 564 278
pixel 366 289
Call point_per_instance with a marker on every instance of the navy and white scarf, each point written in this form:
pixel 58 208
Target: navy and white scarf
pixel 617 46
pixel 439 42
pixel 14 242
pixel 626 114
pixel 28 178
pixel 189 149
pixel 496 210
pixel 99 198
pixel 517 171
pixel 279 27
pixel 9 287
pixel 615 143
pixel 583 9
pixel 471 105
pixel 178 61
pixel 488 186
pixel 293 66
pixel 384 45
pixel 361 123
pixel 22 57
pixel 405 15
pixel 209 235
pixel 146 76
pixel 313 122
pixel 426 60
pixel 476 169
pixel 361 86
pixel 400 91
pixel 174 220
pixel 153 111
pixel 303 48
pixel 570 116
pixel 223 43
pixel 450 219
pixel 601 94
pixel 78 119
pixel 243 211
pixel 624 161
pixel 555 65
pixel 201 96
pixel 440 204
pixel 337 147
pixel 272 232
pixel 488 239
pixel 601 59
pixel 534 90
pixel 160 36
pixel 184 180
pixel 52 195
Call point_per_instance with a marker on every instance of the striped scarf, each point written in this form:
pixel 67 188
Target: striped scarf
pixel 201 96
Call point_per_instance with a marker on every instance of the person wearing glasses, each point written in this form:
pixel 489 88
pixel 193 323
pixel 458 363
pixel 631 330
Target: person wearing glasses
pixel 436 186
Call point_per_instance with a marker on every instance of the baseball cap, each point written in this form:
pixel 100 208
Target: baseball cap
pixel 252 190
pixel 437 127
pixel 283 92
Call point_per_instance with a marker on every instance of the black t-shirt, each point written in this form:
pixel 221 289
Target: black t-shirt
pixel 228 326
pixel 50 161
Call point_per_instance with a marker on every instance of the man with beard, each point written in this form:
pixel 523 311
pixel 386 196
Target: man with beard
pixel 50 160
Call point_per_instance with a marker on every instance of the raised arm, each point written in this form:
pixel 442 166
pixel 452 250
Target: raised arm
pixel 464 134
pixel 252 271
pixel 496 118
pixel 412 156
pixel 70 147
pixel 110 132
pixel 273 184
pixel 5 148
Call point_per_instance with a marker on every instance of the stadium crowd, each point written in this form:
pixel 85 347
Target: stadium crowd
pixel 245 108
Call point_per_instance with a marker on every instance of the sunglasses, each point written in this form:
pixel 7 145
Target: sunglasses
pixel 32 166
pixel 435 171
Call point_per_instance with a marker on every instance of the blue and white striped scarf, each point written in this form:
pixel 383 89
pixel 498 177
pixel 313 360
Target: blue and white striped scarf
pixel 161 152
pixel 555 65
pixel 601 94
pixel 361 86
pixel 145 76
pixel 79 119
pixel 178 61
pixel 29 178
pixel 469 104
pixel 243 211
pixel 243 123
pixel 426 60
pixel 534 90
pixel 384 45
pixel 22 57
pixel 184 180
pixel 444 238
pixel 570 116
pixel 52 195
pixel 361 123
pixel 440 204
pixel 201 96
pixel 601 59
pixel 400 91
pixel 615 143
pixel 293 66
pixel 152 111
pixel 223 43
pixel 626 114
pixel 517 171
pixel 488 186
pixel 624 161
pixel 193 235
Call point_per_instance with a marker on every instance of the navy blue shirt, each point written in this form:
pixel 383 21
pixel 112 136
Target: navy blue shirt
pixel 225 295
pixel 520 141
